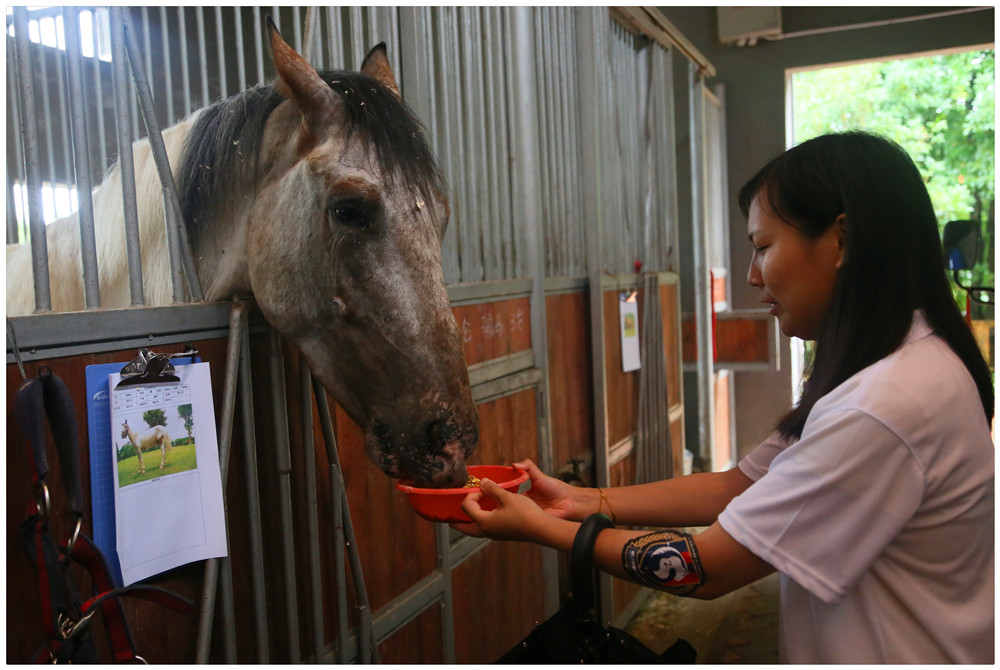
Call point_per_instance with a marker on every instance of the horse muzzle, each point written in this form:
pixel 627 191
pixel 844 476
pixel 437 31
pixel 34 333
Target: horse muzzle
pixel 435 461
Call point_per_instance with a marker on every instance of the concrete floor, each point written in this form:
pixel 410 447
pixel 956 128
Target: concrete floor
pixel 740 627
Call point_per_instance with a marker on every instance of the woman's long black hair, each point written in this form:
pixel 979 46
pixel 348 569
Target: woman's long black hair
pixel 892 264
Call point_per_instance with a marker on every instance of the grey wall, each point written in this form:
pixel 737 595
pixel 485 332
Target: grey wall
pixel 754 80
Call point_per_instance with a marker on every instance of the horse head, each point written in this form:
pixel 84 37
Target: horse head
pixel 343 248
pixel 124 430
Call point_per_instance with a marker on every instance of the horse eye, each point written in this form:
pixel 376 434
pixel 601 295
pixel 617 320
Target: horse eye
pixel 350 214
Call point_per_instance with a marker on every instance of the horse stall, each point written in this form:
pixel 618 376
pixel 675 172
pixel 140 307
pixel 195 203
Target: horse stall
pixel 553 130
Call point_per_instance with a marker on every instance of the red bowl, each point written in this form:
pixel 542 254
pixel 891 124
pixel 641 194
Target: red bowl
pixel 444 505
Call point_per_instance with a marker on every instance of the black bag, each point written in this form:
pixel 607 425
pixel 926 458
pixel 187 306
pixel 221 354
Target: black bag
pixel 573 634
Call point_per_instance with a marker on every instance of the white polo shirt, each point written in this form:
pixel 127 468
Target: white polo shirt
pixel 880 517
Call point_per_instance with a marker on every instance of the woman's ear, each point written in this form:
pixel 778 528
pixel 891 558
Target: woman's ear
pixel 841 225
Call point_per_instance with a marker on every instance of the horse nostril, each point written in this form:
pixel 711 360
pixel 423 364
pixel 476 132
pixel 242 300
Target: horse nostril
pixel 440 433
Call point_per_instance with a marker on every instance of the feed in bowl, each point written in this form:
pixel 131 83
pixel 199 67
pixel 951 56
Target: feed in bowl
pixel 444 505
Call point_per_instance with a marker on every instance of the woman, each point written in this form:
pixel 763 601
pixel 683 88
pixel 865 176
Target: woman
pixel 873 499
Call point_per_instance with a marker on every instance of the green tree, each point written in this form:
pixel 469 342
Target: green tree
pixel 939 108
pixel 155 417
pixel 185 413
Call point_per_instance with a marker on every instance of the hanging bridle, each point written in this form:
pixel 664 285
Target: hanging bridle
pixel 66 618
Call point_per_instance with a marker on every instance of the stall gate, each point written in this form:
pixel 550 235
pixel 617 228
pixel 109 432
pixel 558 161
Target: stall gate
pixel 554 130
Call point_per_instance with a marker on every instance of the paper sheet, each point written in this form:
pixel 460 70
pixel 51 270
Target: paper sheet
pixel 628 310
pixel 168 508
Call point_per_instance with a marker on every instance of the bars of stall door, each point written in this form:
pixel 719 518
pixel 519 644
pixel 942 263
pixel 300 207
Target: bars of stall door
pixel 307 454
pixel 81 153
pixel 368 644
pixel 181 257
pixel 211 582
pixel 29 130
pixel 126 163
pixel 253 502
pixel 284 472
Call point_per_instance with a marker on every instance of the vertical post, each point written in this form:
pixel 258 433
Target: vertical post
pixel 253 502
pixel 527 203
pixel 284 472
pixel 81 154
pixel 308 454
pixel 29 131
pixel 126 161
pixel 210 583
pixel 702 288
pixel 591 43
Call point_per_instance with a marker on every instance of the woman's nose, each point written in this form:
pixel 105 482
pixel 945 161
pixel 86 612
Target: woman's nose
pixel 753 275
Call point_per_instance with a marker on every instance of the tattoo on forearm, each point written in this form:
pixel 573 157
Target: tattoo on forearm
pixel 666 560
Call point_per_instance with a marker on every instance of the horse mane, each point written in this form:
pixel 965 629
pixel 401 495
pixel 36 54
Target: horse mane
pixel 222 149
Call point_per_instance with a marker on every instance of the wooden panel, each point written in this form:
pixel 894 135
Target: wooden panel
pixel 410 643
pixel 671 344
pixel 736 340
pixel 494 329
pixel 499 596
pixel 571 398
pixel 499 592
pixel 622 387
pixel 677 443
pixel 722 456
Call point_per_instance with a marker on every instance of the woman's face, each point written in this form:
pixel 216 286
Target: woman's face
pixel 794 274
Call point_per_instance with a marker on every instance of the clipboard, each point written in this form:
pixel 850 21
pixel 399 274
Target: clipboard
pixel 152 377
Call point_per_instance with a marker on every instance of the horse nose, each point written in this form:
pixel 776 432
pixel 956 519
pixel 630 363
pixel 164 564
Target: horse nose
pixel 448 439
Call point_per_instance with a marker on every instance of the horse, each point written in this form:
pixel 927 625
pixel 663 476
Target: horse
pixel 156 437
pixel 318 196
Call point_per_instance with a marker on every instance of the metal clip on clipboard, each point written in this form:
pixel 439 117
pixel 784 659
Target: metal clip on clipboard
pixel 150 368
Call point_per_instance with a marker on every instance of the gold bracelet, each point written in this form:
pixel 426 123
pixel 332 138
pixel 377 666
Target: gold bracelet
pixel 600 505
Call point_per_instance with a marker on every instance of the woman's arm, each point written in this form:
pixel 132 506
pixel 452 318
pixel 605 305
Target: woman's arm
pixel 719 563
pixel 694 500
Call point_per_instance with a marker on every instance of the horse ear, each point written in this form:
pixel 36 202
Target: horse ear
pixel 298 81
pixel 376 65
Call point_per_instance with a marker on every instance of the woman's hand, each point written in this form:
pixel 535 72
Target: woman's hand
pixel 516 516
pixel 552 495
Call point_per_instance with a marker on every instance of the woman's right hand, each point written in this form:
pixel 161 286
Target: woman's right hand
pixel 553 495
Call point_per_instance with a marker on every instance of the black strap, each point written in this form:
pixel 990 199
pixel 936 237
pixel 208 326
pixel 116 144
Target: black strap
pixel 47 396
pixel 581 563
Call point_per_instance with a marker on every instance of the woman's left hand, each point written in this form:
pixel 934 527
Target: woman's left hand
pixel 516 516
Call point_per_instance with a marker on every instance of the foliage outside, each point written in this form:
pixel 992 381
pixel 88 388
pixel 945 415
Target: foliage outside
pixel 941 110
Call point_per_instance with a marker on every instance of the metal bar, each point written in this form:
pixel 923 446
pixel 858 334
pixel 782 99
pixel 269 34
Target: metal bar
pixel 220 38
pixel 185 70
pixel 297 29
pixel 126 161
pixel 258 37
pixel 99 86
pixel 253 502
pixel 443 542
pixel 81 153
pixel 202 56
pixel 29 131
pixel 338 496
pixel 211 580
pixel 241 66
pixel 181 257
pixel 167 66
pixel 369 653
pixel 284 472
pixel 43 80
pixel 13 226
pixel 702 288
pixel 308 454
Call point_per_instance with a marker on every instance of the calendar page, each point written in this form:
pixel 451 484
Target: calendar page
pixel 165 472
